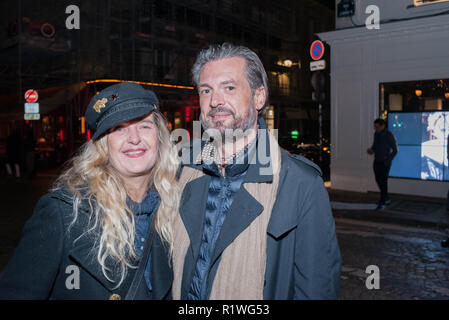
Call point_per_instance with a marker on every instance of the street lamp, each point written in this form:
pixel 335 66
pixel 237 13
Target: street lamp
pixel 288 63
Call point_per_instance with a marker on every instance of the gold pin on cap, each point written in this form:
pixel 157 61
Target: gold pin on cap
pixel 100 104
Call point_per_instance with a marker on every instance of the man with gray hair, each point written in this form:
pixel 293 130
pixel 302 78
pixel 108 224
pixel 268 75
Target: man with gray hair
pixel 255 221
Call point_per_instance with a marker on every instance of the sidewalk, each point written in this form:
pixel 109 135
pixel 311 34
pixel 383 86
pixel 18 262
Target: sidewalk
pixel 403 210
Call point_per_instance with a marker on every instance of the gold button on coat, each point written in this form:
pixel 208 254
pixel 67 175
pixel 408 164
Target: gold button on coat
pixel 115 296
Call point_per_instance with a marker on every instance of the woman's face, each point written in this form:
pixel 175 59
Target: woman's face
pixel 133 147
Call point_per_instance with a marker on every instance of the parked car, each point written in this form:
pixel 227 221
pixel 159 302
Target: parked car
pixel 311 150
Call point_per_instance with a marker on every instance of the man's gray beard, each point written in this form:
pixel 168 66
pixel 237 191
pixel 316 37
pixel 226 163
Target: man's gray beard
pixel 236 124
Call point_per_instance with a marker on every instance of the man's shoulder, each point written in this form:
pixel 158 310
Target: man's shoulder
pixel 301 165
pixel 389 133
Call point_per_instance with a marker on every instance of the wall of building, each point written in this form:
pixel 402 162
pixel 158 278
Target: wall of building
pixel 361 60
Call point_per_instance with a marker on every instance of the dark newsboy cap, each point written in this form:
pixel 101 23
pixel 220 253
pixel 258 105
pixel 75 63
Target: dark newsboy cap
pixel 119 103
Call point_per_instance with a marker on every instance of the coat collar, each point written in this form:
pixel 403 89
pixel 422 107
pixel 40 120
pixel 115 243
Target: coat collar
pixel 194 198
pixel 67 196
pixel 192 210
pixel 243 211
pixel 259 169
pixel 283 216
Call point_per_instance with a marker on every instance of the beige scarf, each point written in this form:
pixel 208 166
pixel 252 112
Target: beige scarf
pixel 241 272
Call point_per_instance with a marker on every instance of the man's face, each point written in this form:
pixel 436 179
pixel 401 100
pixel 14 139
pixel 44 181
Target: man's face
pixel 379 127
pixel 225 96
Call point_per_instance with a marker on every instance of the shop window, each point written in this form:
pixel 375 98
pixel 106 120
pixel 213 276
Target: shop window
pixel 395 100
pixel 280 82
pixel 414 96
pixel 417 114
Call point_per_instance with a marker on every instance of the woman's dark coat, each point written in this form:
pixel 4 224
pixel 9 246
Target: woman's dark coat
pixel 43 264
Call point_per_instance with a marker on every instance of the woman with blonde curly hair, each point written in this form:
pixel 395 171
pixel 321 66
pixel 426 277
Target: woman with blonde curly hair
pixel 105 230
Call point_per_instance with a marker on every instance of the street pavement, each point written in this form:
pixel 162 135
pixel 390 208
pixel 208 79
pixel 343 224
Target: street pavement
pixel 403 210
pixel 403 241
pixel 412 264
pixel 17 200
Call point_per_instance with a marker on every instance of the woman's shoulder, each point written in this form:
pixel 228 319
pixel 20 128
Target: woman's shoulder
pixel 56 196
pixel 62 199
pixel 53 205
pixel 58 205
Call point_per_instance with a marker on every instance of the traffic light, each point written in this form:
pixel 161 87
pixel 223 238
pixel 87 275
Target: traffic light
pixel 318 84
pixel 294 134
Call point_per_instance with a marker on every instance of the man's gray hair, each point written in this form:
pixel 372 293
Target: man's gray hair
pixel 255 71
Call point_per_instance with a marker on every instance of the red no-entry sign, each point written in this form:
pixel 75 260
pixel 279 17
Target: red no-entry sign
pixel 31 96
pixel 317 50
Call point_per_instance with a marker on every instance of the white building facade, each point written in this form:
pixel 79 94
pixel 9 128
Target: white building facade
pixel 362 60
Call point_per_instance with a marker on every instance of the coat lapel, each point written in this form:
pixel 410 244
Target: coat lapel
pixel 243 211
pixel 245 208
pixel 282 220
pixel 83 251
pixel 192 210
pixel 161 276
pixel 84 254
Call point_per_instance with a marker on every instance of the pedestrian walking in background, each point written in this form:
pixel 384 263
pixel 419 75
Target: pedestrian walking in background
pixel 384 149
pixel 105 230
pixel 14 149
pixel 60 153
pixel 29 145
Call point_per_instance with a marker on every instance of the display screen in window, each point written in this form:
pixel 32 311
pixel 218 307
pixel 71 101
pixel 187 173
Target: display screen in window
pixel 422 139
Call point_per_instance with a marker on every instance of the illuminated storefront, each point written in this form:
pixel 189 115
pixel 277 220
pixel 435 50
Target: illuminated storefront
pixel 399 72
